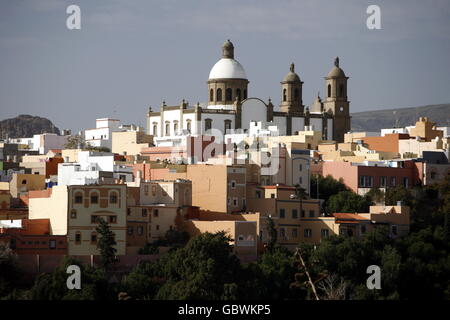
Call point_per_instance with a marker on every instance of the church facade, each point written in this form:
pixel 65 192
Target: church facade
pixel 229 106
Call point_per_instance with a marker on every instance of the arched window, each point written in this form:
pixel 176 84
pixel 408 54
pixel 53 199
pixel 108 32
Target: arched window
pixel 329 90
pixel 113 198
pixel 341 90
pixel 238 94
pixel 284 95
pixel 211 95
pixel 167 128
pixel 94 198
pixel 219 95
pixel 155 129
pixel 78 198
pixel 227 125
pixel 296 94
pixel 175 127
pixel 208 124
pixel 228 94
pixel 188 125
pixel 245 94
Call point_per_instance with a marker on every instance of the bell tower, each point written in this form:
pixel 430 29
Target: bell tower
pixel 336 101
pixel 291 92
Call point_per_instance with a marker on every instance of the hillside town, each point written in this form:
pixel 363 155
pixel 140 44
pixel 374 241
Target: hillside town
pixel 235 164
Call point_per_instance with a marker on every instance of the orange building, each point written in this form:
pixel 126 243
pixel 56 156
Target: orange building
pixel 387 143
pixel 32 237
pixel 361 177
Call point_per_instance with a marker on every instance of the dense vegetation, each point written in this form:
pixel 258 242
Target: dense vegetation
pixel 414 267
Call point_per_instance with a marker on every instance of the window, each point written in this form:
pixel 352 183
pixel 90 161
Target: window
pixel 235 202
pixel 296 94
pixel 93 237
pixel 272 195
pixel 233 184
pixel 144 212
pixel 94 219
pixel 140 230
pixel 228 95
pixel 383 181
pixel 94 198
pixel 405 182
pixel 393 181
pixel 294 233
pixel 227 125
pixel 311 213
pixel 211 95
pixel 128 211
pixel 208 124
pixel 363 229
pixel 113 198
pixel 394 230
pixel 157 227
pixel 294 214
pixel 73 214
pixel 258 194
pixel 155 213
pixel 324 233
pixel 153 190
pixel 52 244
pixel 188 125
pixel 341 90
pixel 365 181
pixel 282 233
pixel 282 213
pixel 24 181
pixel 78 198
pixel 155 130
pixel 219 95
pixel 300 167
pixel 238 94
pixel 130 230
pixel 167 129
pixel 175 127
pixel 307 233
pixel 78 238
pixel 284 95
pixel 245 94
pixel 433 175
pixel 303 213
pixel 112 219
pixel 329 90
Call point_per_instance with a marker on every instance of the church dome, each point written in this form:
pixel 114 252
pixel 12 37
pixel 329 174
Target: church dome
pixel 336 72
pixel 291 76
pixel 227 68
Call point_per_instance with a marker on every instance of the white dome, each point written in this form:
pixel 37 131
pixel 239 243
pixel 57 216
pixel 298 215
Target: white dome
pixel 227 68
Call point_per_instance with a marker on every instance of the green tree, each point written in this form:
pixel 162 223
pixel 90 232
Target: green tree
pixel 328 186
pixel 75 142
pixel 106 243
pixel 273 234
pixel 348 201
pixel 8 269
pixel 376 195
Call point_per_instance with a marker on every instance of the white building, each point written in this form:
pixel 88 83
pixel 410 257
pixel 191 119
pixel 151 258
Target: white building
pixel 42 143
pixel 229 106
pixel 93 167
pixel 101 135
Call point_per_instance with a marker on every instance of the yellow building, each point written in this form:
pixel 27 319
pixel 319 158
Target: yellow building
pixel 74 210
pixel 279 202
pixel 155 207
pixel 130 142
pixel 21 183
pixel 425 129
pixel 397 218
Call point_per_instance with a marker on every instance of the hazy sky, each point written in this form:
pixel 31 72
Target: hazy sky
pixel 130 54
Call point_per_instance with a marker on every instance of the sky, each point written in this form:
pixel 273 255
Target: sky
pixel 129 55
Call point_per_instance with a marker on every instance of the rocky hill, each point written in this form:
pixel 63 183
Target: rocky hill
pixel 400 117
pixel 25 126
